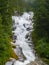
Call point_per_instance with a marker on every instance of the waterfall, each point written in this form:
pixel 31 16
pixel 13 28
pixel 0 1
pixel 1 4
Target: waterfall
pixel 21 29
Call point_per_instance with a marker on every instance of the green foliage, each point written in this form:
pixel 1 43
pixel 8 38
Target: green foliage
pixel 6 51
pixel 43 48
pixel 40 35
pixel 7 9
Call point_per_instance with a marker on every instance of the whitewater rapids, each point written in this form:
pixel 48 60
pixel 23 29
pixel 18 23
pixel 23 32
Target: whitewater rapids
pixel 24 47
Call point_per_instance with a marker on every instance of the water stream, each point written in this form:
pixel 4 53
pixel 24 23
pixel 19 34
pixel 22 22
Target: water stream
pixel 22 27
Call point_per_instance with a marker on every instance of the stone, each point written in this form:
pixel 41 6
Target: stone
pixel 37 62
pixel 13 28
pixel 26 36
pixel 28 29
pixel 29 39
pixel 13 46
pixel 24 25
pixel 13 41
pixel 14 37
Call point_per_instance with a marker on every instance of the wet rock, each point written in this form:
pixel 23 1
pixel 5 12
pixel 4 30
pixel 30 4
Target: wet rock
pixel 30 18
pixel 20 54
pixel 10 62
pixel 13 22
pixel 22 59
pixel 13 41
pixel 29 39
pixel 14 37
pixel 26 36
pixel 13 46
pixel 28 42
pixel 28 29
pixel 13 28
pixel 24 25
pixel 31 63
pixel 37 62
pixel 30 45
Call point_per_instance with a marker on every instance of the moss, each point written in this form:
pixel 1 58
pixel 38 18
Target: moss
pixel 6 51
pixel 13 55
pixel 13 46
pixel 46 60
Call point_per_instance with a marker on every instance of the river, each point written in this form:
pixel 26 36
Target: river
pixel 22 28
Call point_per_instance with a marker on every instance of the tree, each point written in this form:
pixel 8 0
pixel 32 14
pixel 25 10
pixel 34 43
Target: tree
pixel 41 27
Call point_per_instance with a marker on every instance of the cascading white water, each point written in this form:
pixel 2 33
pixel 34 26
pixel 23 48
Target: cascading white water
pixel 22 28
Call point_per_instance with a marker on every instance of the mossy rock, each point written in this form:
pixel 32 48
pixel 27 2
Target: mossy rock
pixel 13 46
pixel 13 55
